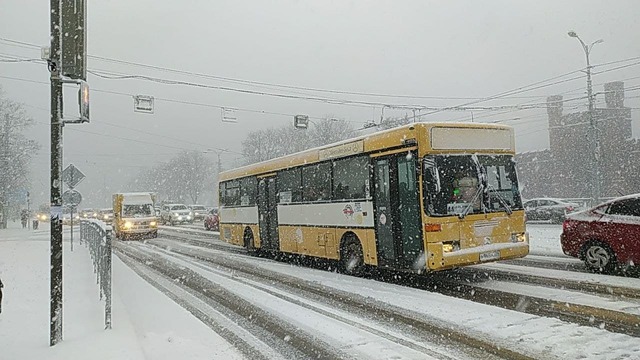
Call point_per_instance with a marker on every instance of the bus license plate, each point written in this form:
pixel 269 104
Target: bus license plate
pixel 491 255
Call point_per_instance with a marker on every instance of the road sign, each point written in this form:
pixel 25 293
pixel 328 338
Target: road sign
pixel 143 104
pixel 72 176
pixel 71 197
pixel 229 115
pixel 301 121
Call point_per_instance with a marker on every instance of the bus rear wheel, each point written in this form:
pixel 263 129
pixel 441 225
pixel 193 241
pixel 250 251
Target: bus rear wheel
pixel 351 257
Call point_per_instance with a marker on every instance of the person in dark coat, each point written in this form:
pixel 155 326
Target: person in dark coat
pixel 24 216
pixel 1 286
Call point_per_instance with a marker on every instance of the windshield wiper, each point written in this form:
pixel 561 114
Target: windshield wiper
pixel 501 199
pixel 470 206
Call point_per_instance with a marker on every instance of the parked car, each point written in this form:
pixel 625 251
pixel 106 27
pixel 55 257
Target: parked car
pixel 554 210
pixel 605 237
pixel 212 221
pixel 199 212
pixel 175 214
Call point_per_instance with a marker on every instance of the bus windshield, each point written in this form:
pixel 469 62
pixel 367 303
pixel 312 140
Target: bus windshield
pixel 470 184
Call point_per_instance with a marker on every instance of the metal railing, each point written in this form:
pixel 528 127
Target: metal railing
pixel 97 235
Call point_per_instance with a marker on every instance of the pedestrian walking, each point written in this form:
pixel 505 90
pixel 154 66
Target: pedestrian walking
pixel 24 217
pixel 1 286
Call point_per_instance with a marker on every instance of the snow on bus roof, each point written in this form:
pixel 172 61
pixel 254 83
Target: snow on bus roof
pixel 244 170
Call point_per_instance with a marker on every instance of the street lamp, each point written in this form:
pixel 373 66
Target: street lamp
pixel 593 129
pixel 218 152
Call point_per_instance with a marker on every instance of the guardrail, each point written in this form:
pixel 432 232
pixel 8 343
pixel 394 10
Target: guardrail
pixel 97 235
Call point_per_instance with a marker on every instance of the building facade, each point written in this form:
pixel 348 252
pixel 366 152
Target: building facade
pixel 565 169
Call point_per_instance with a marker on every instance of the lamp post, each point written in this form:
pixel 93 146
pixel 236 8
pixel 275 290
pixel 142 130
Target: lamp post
pixel 593 128
pixel 218 152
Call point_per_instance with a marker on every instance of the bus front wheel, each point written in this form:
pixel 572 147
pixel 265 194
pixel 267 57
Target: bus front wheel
pixel 351 258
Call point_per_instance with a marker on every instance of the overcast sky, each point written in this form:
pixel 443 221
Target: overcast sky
pixel 451 50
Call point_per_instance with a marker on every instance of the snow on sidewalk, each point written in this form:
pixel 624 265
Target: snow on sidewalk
pixel 146 324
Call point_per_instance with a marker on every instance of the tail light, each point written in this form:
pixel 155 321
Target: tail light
pixel 566 225
pixel 569 208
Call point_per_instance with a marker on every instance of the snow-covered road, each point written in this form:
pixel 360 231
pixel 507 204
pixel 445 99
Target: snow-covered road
pixel 225 304
pixel 478 320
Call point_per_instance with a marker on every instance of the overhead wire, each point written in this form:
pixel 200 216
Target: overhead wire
pixel 251 82
pixel 518 107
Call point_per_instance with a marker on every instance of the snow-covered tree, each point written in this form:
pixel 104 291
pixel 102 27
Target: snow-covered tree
pixel 16 150
pixel 183 179
pixel 261 145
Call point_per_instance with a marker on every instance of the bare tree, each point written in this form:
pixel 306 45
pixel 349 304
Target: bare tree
pixel 330 130
pixel 16 151
pixel 261 145
pixel 184 178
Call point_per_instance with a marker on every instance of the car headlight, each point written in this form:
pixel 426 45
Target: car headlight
pixel 176 214
pixel 188 217
pixel 128 225
pixel 179 217
pixel 106 217
pixel 153 224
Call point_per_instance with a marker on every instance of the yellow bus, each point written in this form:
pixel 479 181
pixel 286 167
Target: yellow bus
pixel 421 197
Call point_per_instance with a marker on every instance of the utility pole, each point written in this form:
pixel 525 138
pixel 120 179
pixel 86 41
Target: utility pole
pixel 218 153
pixel 594 142
pixel 55 323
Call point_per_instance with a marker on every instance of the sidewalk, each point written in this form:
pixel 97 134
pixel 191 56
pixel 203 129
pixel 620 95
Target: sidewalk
pixel 146 324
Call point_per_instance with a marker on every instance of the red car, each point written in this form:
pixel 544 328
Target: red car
pixel 211 221
pixel 606 237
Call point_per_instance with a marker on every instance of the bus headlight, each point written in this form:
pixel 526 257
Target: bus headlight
pixel 520 237
pixel 128 225
pixel 153 224
pixel 450 246
pixel 105 217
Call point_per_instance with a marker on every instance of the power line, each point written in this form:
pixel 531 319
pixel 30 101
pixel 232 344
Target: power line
pixel 351 102
pixel 569 92
pixel 105 75
pixel 252 82
pixel 265 112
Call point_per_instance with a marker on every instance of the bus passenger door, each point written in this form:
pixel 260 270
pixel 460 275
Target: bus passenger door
pixel 384 220
pixel 397 211
pixel 268 213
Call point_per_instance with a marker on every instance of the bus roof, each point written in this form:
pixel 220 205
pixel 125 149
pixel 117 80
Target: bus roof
pixel 390 138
